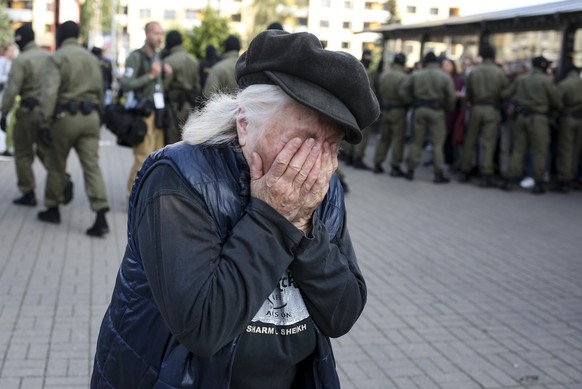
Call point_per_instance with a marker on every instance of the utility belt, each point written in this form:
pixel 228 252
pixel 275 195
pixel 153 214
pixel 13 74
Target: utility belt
pixel 389 106
pixel 495 104
pixel 29 103
pixel 576 114
pixel 527 111
pixel 73 107
pixel 432 104
pixel 182 98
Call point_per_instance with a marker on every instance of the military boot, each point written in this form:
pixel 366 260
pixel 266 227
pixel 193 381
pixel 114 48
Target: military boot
pixel 538 188
pixel 465 177
pixel 51 215
pixel 487 181
pixel 359 164
pixel 378 169
pixel 100 227
pixel 28 199
pixel 506 185
pixel 439 178
pixel 396 172
pixel 562 187
pixel 68 191
pixel 409 175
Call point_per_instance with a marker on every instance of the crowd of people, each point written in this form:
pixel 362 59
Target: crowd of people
pixel 498 124
pixel 53 103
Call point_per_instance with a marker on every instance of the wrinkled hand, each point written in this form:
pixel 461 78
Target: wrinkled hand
pixel 45 137
pixel 3 123
pixel 297 181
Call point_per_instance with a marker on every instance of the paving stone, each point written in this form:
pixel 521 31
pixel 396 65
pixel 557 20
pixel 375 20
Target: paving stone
pixel 467 288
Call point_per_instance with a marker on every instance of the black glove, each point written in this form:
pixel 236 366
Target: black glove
pixel 3 123
pixel 45 137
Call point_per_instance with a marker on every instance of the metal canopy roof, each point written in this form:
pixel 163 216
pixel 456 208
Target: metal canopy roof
pixel 542 17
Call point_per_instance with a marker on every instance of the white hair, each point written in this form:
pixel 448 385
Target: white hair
pixel 215 123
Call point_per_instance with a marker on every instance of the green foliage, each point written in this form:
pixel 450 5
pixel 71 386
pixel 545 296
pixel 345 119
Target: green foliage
pixel 213 30
pixel 264 14
pixel 6 33
pixel 91 9
pixel 393 9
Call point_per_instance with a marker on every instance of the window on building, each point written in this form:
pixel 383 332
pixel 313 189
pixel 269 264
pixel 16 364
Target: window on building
pixel 124 10
pixel 411 9
pixel 19 4
pixel 454 11
pixel 367 25
pixel 49 6
pixel 236 17
pixel 434 11
pixel 48 27
pixel 368 5
pixel 302 21
pixel 348 5
pixel 145 13
pixel 346 45
pixel 347 25
pixel 169 14
pixel 324 23
pixel 324 44
pixel 191 14
pixel 326 3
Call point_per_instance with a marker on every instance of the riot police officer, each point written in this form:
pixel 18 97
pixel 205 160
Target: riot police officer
pixel 24 79
pixel 484 86
pixel 181 85
pixel 570 136
pixel 72 94
pixel 535 95
pixel 393 125
pixel 432 92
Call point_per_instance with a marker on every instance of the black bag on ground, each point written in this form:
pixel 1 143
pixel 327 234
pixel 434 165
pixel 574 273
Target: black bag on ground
pixel 127 125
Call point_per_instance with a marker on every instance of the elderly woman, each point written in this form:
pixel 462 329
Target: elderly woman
pixel 239 265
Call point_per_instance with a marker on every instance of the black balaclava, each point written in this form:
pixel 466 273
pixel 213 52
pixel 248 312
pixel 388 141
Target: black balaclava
pixel 487 52
pixel 173 38
pixel 541 63
pixel 430 57
pixel 366 58
pixel 232 43
pixel 400 59
pixel 275 26
pixel 67 30
pixel 23 36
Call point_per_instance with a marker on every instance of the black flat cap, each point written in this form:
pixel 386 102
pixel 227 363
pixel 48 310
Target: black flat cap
pixel 333 83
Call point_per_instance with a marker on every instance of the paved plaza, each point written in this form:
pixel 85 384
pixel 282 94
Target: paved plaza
pixel 467 288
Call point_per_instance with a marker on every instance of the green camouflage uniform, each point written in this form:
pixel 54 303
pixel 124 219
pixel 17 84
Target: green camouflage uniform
pixel 72 76
pixel 570 142
pixel 393 125
pixel 535 94
pixel 222 76
pixel 484 86
pixel 432 92
pixel 182 87
pixel 24 80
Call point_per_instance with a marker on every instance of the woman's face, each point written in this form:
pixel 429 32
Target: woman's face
pixel 447 66
pixel 293 121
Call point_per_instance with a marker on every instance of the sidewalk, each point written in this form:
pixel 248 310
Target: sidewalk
pixel 467 288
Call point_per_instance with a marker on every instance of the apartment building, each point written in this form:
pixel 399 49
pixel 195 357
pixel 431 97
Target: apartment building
pixel 337 23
